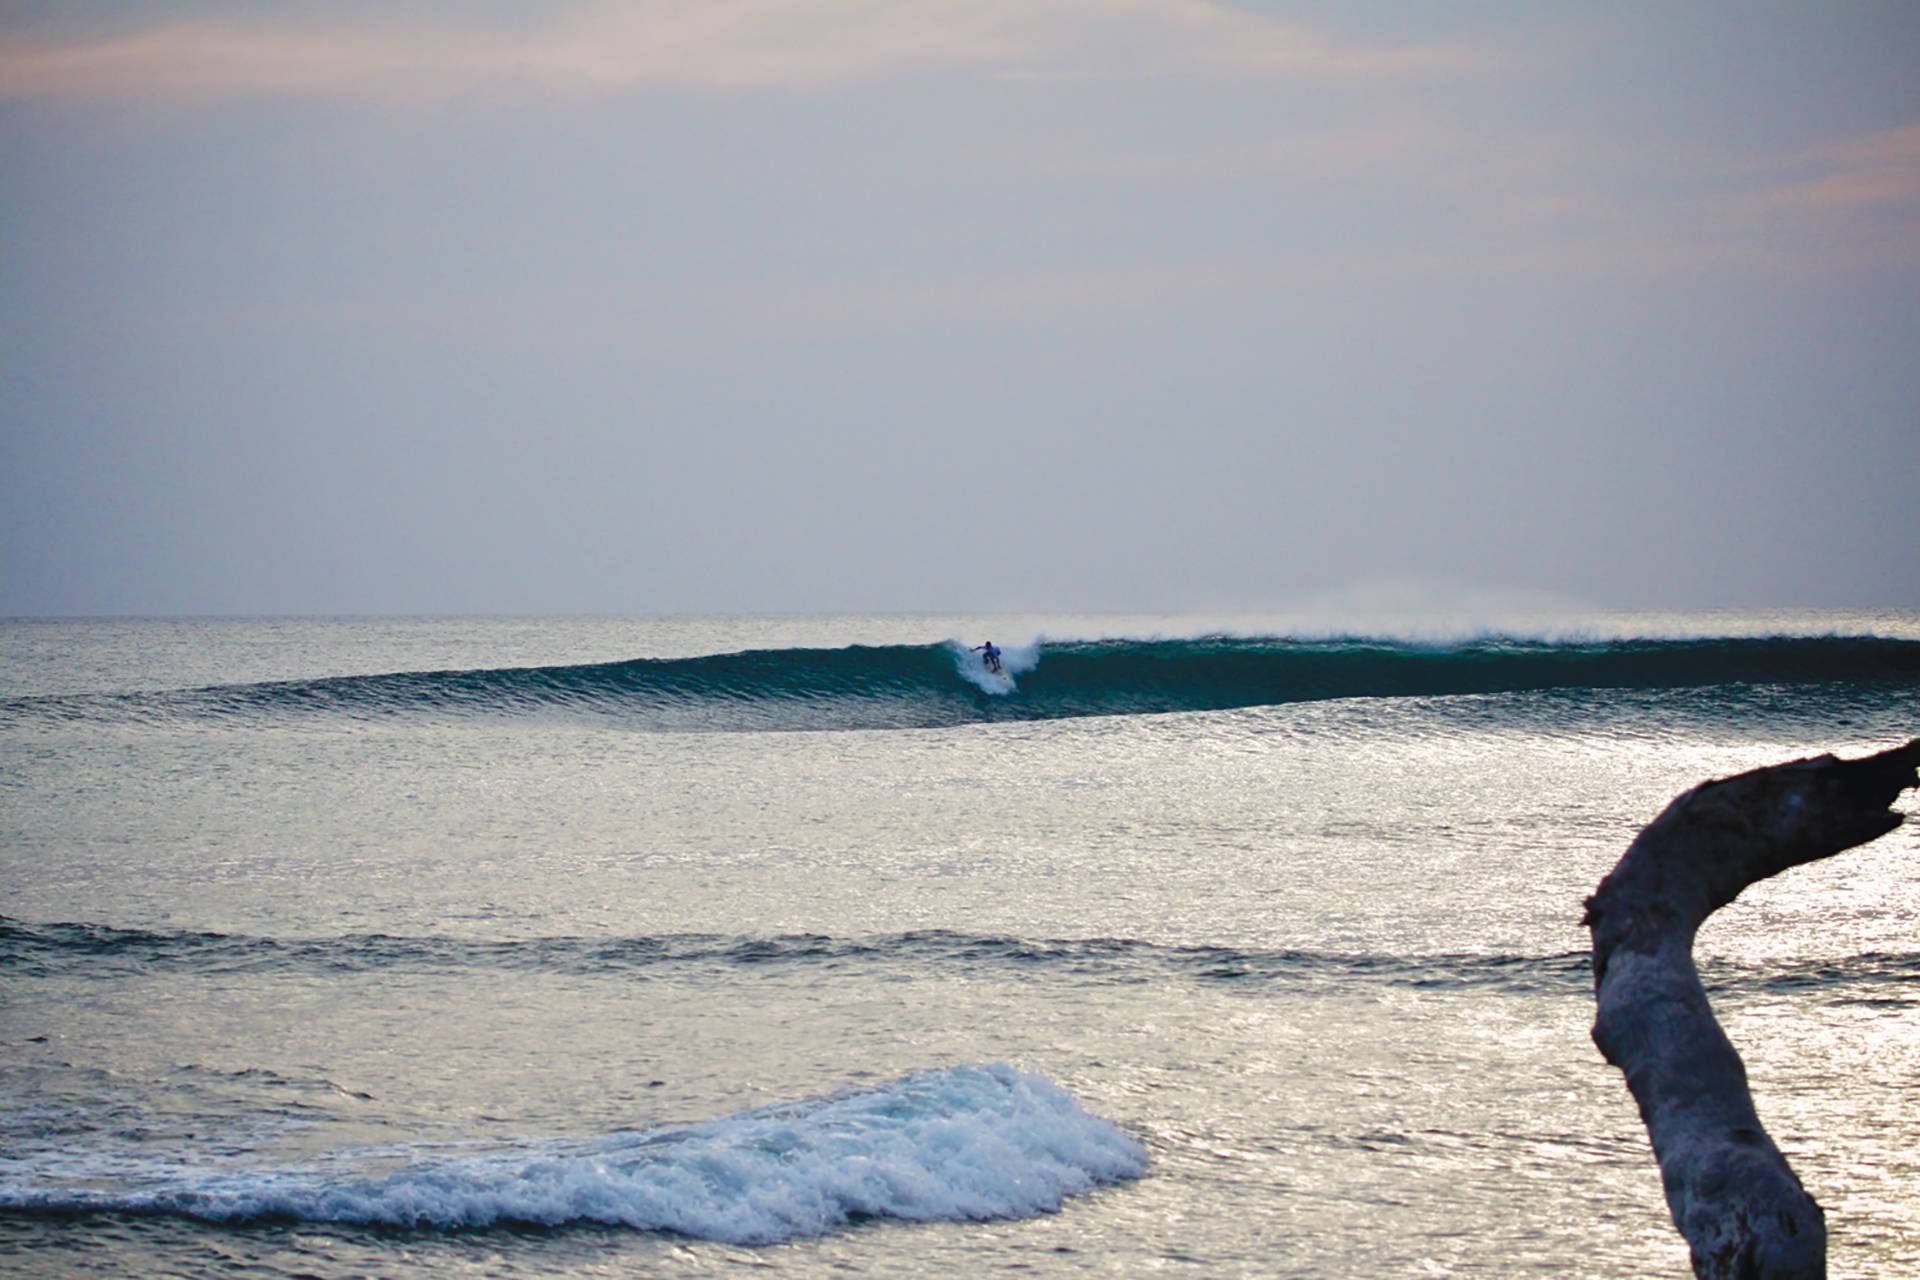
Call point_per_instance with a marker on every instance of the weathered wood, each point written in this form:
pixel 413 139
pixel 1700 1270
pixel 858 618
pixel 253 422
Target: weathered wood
pixel 1743 1213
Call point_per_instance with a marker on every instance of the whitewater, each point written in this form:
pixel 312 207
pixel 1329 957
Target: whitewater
pixel 534 947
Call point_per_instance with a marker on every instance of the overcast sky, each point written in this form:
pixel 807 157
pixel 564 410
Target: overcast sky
pixel 812 305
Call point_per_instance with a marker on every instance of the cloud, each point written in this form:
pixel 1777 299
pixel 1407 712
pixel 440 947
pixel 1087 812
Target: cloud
pixel 1881 168
pixel 598 48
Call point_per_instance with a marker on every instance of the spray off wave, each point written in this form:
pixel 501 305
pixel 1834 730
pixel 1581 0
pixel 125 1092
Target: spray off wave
pixel 937 685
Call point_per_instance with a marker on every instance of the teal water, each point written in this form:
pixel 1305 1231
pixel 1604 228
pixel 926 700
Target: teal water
pixel 1250 946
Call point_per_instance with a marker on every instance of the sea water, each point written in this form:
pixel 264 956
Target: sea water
pixel 523 947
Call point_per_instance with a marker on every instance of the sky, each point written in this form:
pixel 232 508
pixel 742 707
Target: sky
pixel 752 306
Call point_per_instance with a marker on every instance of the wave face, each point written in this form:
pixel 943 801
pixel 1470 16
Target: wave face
pixel 958 1144
pixel 937 685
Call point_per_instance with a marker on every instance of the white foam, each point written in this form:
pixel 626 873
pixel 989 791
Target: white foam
pixel 1015 660
pixel 964 1143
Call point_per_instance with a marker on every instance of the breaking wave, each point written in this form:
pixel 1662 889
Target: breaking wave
pixel 935 685
pixel 966 1143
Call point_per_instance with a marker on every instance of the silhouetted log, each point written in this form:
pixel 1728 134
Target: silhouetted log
pixel 1744 1214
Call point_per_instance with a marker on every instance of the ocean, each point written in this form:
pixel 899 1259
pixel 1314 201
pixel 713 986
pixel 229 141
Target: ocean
pixel 1208 947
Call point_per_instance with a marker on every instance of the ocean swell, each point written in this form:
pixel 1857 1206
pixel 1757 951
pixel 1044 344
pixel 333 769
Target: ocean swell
pixel 936 685
pixel 92 951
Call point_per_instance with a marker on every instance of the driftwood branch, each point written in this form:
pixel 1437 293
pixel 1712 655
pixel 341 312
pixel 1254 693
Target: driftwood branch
pixel 1744 1214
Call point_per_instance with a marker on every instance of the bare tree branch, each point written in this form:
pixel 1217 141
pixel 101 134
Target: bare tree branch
pixel 1743 1213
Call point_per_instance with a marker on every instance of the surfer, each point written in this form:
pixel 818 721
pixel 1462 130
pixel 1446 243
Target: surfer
pixel 989 655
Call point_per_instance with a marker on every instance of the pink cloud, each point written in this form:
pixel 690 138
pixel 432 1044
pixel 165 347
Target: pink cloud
pixel 1881 168
pixel 601 47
